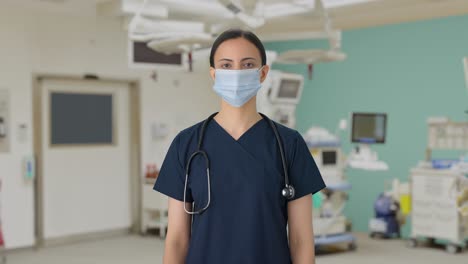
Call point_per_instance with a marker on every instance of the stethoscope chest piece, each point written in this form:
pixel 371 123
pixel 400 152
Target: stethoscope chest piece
pixel 288 192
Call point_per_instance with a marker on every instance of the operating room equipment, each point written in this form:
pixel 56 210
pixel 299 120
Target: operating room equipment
pixel 280 95
pixel 176 38
pixel 446 134
pixel 160 32
pixel 367 129
pixel 327 153
pixel 287 192
pixel 461 165
pixel 251 20
pixel 440 194
pixel 390 209
pixel 330 225
pixel 182 38
pixel 436 212
pixel 312 56
pixel 385 223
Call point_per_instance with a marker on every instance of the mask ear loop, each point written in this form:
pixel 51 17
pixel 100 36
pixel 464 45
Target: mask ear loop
pixel 259 71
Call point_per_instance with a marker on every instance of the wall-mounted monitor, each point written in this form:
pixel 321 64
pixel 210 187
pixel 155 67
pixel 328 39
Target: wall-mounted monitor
pixel 140 56
pixel 369 128
pixel 286 88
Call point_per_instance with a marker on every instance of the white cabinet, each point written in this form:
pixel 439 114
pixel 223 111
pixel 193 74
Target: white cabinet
pixel 155 206
pixel 435 212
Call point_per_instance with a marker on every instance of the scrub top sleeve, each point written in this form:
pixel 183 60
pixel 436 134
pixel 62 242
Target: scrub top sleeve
pixel 171 178
pixel 304 174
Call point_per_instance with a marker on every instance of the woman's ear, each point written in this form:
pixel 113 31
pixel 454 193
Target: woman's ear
pixel 212 73
pixel 264 72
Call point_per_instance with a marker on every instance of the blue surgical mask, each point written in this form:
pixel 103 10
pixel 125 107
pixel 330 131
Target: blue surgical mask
pixel 237 87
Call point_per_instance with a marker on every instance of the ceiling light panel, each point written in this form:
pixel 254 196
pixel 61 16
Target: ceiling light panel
pixel 283 9
pixel 339 3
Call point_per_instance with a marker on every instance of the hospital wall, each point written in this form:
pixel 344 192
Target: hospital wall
pixel 33 43
pixel 411 71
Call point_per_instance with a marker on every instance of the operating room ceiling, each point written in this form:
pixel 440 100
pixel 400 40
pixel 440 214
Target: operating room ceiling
pixel 345 14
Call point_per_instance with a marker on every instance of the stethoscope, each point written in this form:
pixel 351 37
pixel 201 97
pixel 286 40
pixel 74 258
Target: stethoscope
pixel 288 191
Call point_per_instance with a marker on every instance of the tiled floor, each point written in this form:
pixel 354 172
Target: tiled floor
pixel 148 250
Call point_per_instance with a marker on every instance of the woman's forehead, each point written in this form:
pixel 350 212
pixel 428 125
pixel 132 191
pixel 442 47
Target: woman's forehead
pixel 238 48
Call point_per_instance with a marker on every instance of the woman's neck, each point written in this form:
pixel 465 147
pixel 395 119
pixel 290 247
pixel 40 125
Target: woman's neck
pixel 237 120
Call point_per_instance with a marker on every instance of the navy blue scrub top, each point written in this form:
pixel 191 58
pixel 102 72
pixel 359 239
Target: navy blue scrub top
pixel 247 217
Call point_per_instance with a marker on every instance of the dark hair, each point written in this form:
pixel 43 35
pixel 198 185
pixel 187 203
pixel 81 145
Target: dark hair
pixel 237 33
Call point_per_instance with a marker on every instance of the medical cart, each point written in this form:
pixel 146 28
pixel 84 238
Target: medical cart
pixel 155 209
pixel 330 225
pixel 334 228
pixel 439 191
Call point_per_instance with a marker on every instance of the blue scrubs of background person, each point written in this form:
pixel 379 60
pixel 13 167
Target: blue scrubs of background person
pixel 248 218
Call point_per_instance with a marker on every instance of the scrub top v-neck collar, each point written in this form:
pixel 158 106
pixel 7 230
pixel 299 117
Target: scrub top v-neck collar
pixel 250 130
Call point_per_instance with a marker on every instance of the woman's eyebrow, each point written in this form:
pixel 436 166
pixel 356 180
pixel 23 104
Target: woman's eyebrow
pixel 248 58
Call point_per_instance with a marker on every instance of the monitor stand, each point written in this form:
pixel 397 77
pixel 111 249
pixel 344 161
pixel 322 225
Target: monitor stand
pixel 363 157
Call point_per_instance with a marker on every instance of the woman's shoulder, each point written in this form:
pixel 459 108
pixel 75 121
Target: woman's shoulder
pixel 288 135
pixel 189 132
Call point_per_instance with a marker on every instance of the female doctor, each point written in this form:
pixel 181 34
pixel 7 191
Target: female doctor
pixel 240 186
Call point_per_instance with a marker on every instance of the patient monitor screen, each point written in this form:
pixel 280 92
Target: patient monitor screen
pixel 369 128
pixel 289 89
pixel 329 157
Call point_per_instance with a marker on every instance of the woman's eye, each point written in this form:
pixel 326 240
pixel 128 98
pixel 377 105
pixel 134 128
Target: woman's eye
pixel 249 65
pixel 225 66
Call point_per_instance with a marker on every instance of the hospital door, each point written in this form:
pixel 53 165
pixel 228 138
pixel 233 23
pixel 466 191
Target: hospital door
pixel 84 157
